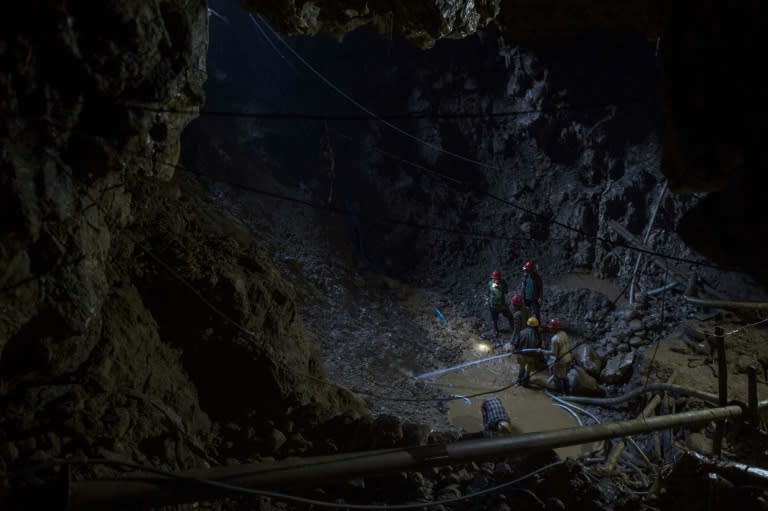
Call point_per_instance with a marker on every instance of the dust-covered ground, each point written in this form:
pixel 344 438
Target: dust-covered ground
pixel 374 333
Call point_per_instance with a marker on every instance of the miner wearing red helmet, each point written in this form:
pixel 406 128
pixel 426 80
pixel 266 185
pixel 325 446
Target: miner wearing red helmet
pixel 496 299
pixel 531 288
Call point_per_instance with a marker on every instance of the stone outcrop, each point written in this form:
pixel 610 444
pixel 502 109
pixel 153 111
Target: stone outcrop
pixel 119 294
pixel 421 22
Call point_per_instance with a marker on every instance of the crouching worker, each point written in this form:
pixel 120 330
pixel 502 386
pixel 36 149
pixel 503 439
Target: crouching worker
pixel 558 355
pixel 529 351
pixel 495 418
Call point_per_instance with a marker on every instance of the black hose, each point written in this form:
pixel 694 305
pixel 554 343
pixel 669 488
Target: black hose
pixel 666 387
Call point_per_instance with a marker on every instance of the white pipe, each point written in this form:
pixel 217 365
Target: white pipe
pixel 662 288
pixel 575 415
pixel 577 408
pixel 438 372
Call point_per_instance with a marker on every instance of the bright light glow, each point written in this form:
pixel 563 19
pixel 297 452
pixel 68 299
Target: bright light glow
pixel 482 347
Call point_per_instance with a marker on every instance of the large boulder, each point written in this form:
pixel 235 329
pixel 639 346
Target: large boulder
pixel 587 357
pixel 618 369
pixel 582 384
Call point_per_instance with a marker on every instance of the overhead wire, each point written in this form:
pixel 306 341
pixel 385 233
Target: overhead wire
pixel 272 44
pixel 345 212
pixel 365 109
pixel 308 116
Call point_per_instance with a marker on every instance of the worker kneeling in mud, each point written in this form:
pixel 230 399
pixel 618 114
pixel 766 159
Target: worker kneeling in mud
pixel 495 418
pixel 558 355
pixel 529 351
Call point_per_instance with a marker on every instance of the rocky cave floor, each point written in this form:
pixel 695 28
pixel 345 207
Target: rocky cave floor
pixel 375 333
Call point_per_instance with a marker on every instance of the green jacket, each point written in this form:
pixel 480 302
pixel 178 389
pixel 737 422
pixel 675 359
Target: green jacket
pixel 497 294
pixel 531 287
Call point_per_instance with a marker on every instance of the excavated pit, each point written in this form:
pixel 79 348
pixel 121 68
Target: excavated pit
pixel 154 307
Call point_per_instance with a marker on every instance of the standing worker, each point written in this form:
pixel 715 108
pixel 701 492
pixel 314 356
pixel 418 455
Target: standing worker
pixel 558 355
pixel 532 288
pixel 496 299
pixel 529 345
pixel 519 316
pixel 495 418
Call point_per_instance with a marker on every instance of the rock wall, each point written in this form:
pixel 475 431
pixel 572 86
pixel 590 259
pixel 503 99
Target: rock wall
pixel 564 133
pixel 421 22
pixel 119 294
pixel 707 51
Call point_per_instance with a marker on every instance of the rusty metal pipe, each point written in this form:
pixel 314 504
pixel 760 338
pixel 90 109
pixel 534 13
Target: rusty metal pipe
pixel 313 472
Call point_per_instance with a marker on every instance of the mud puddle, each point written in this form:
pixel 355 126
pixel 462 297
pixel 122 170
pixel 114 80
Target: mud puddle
pixel 529 410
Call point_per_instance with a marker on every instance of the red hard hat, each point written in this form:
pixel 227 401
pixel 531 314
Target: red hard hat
pixel 517 300
pixel 495 274
pixel 528 266
pixel 553 323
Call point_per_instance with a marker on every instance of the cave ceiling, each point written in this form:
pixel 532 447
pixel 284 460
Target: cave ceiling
pixel 707 51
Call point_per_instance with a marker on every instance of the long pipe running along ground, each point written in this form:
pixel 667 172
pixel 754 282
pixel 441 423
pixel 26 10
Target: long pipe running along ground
pixel 726 304
pixel 314 472
pixel 438 372
pixel 666 387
